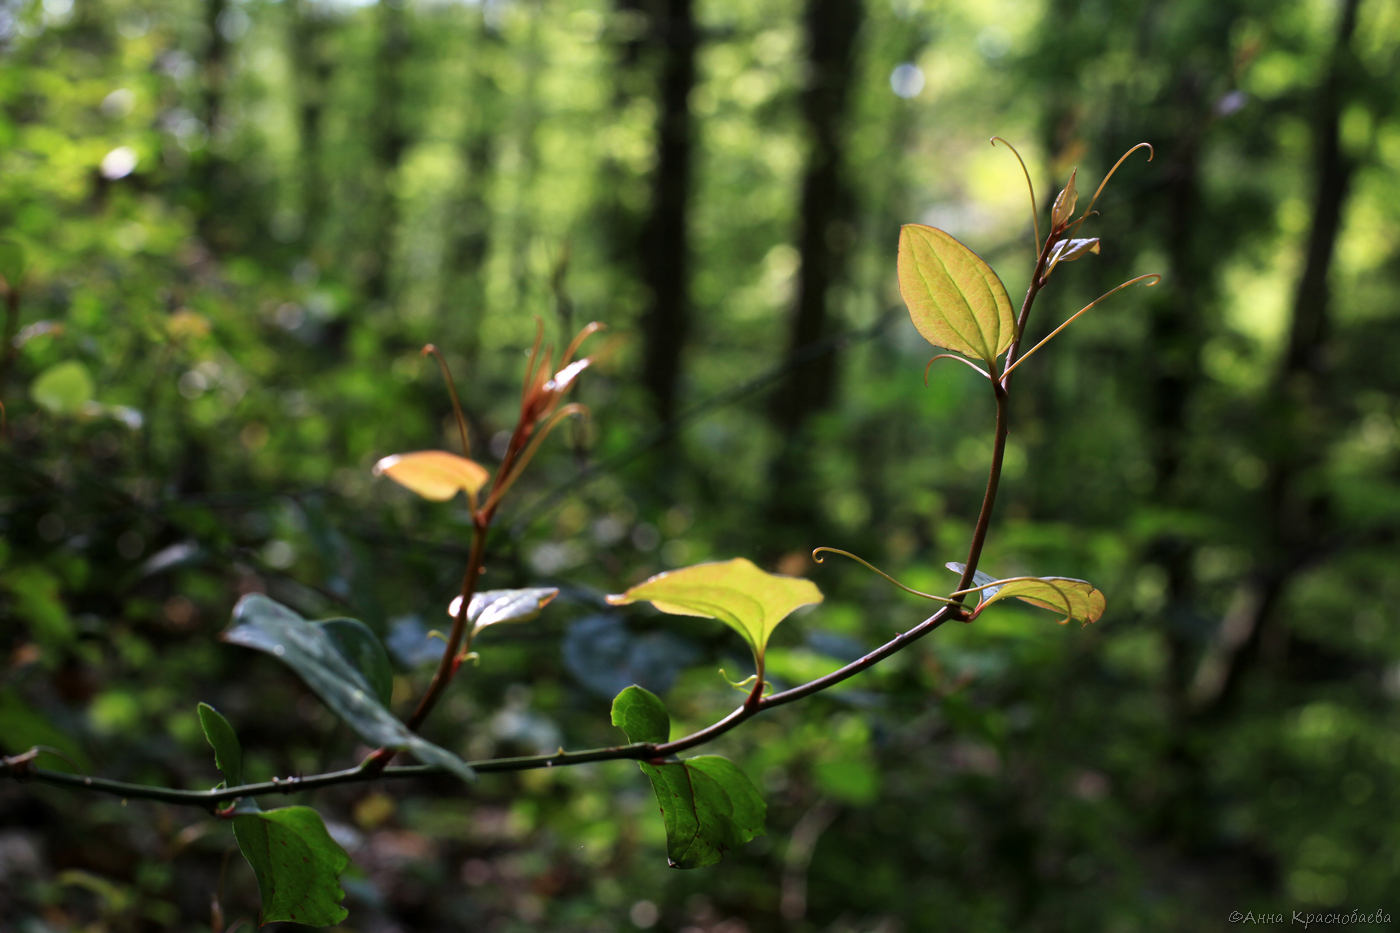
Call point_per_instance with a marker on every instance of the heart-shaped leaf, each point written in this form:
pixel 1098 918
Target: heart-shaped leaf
pixel 708 805
pixel 748 600
pixel 297 865
pixel 954 298
pixel 434 474
pixel 314 653
pixel 490 607
pixel 1074 599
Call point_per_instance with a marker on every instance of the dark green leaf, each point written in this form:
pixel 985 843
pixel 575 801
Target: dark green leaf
pixel 640 713
pixel 228 753
pixel 707 804
pixel 313 653
pixel 362 649
pixel 709 807
pixel 297 865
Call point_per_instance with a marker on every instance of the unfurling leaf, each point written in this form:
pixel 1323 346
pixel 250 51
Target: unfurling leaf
pixel 1069 251
pixel 954 298
pixel 748 600
pixel 708 805
pixel 297 865
pixel 314 651
pixel 492 606
pixel 434 474
pixel 1065 203
pixel 979 579
pixel 1074 599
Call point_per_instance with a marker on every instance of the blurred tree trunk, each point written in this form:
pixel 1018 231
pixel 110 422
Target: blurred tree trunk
pixel 463 295
pixel 824 240
pixel 388 142
pixel 207 164
pixel 1297 407
pixel 312 66
pixel 664 247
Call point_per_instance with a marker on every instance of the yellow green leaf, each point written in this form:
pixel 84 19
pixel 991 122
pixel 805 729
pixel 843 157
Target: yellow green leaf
pixel 1074 599
pixel 749 600
pixel 954 298
pixel 434 474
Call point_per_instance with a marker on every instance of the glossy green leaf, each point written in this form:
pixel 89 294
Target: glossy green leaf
pixel 640 713
pixel 12 262
pixel 228 753
pixel 1074 599
pixel 297 864
pixel 363 649
pixel 748 600
pixel 954 298
pixel 491 607
pixel 708 805
pixel 434 474
pixel 63 389
pixel 315 655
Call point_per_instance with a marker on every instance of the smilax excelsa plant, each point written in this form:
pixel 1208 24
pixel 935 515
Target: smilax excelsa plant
pixel 708 805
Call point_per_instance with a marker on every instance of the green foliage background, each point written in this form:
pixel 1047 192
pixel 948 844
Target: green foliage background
pixel 242 219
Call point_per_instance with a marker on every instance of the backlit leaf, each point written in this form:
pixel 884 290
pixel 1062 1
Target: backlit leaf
pixel 314 653
pixel 297 865
pixel 434 474
pixel 1065 203
pixel 1074 599
pixel 708 805
pixel 749 600
pixel 954 298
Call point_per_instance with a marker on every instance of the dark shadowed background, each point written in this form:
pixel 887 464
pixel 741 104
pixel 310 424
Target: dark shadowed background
pixel 242 219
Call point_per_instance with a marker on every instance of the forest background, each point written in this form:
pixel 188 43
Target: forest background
pixel 240 220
